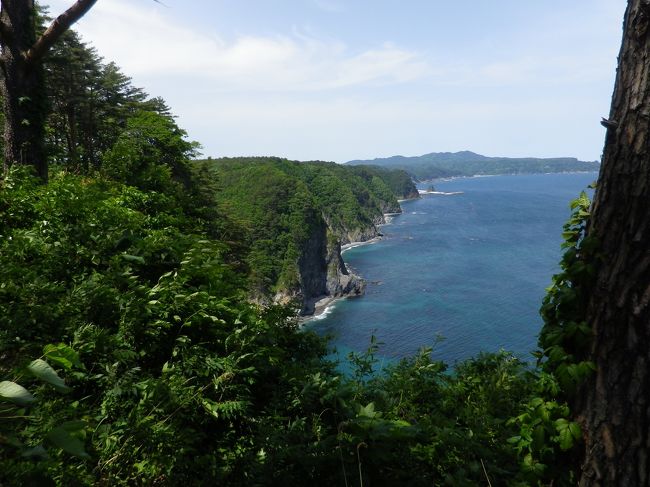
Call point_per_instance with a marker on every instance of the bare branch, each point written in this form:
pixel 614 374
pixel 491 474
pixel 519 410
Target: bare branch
pixel 57 28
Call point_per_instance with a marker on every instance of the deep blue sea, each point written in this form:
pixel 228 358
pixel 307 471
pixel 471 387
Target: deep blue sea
pixel 471 268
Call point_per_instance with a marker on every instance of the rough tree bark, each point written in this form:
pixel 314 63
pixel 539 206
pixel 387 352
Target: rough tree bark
pixel 21 83
pixel 613 406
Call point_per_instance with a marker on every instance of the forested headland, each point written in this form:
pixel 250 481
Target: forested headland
pixel 293 218
pixel 149 308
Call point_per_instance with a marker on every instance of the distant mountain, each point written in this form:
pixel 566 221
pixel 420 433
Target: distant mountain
pixel 466 163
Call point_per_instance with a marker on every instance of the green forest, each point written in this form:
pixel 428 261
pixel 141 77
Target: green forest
pixel 292 217
pixel 150 307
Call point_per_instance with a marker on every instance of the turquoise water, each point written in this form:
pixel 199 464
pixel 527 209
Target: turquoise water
pixel 470 267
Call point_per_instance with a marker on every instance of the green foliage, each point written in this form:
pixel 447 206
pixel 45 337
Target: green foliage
pixel 91 103
pixel 179 359
pixel 546 436
pixel 385 181
pixel 153 368
pixel 565 337
pixel 176 378
pixel 25 408
pixel 15 393
pixel 457 422
pixel 42 370
pixel 150 153
pixel 280 205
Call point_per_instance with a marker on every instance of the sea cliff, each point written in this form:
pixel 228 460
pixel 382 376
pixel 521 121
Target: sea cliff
pixel 297 215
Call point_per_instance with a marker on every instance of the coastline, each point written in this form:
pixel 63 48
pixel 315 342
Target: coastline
pixel 410 268
pixel 353 245
pixel 452 178
pixel 440 193
pixel 323 305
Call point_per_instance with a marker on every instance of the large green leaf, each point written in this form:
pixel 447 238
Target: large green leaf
pixel 62 355
pixel 568 433
pixel 367 411
pixel 10 391
pixel 63 437
pixel 41 369
pixel 133 258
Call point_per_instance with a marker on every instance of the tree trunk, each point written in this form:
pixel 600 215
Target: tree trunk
pixel 22 87
pixel 24 99
pixel 613 406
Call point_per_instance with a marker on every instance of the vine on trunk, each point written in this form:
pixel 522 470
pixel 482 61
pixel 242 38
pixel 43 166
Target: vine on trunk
pixel 565 337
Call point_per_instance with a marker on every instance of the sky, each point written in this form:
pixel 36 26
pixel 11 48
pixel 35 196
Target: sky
pixel 359 79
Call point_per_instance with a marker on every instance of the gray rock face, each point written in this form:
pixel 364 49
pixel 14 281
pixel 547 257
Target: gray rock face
pixel 321 269
pixel 360 234
pixel 340 282
pixel 349 235
pixel 322 272
pixel 313 267
pixel 412 194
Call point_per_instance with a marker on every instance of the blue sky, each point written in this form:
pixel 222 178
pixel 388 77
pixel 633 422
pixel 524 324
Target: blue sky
pixel 340 80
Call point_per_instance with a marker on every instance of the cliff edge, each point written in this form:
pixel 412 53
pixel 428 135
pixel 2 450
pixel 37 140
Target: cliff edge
pixel 297 215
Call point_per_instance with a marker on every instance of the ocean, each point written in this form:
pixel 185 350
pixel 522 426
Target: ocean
pixel 462 273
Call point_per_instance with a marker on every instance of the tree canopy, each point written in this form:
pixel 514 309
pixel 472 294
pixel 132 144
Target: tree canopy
pixel 132 352
pixel 22 82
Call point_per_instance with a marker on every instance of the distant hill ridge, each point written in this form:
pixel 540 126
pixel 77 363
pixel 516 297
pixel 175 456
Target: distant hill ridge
pixel 467 163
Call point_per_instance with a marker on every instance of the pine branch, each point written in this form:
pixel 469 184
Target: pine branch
pixel 57 28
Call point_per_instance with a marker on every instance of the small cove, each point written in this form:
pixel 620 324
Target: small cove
pixel 469 267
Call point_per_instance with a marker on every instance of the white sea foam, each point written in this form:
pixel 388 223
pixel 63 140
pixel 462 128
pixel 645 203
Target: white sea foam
pixel 353 245
pixel 347 247
pixel 441 193
pixel 323 314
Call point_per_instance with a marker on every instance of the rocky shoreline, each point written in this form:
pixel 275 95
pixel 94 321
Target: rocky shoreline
pixel 326 281
pixel 320 305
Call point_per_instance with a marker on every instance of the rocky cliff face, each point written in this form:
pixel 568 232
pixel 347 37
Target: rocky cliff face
pixel 360 234
pixel 347 235
pixel 313 268
pixel 411 193
pixel 340 282
pixel 321 270
pixel 387 207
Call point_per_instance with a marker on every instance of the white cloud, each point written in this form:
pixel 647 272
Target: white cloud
pixel 145 42
pixel 538 91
